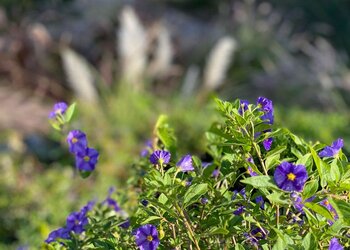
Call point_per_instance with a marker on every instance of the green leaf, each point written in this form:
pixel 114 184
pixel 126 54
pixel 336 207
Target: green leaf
pixel 69 112
pixel 309 242
pixel 151 218
pixel 85 174
pixel 310 188
pixel 239 247
pixel 166 134
pixel 162 206
pixel 335 172
pixel 280 244
pixel 220 230
pixel 320 167
pixel 343 210
pixel 56 125
pixel 162 198
pixel 260 182
pixel 297 140
pixel 277 198
pixel 276 151
pixel 306 160
pixel 271 161
pixel 319 209
pixel 194 193
pixel 282 241
pixel 336 227
pixel 310 217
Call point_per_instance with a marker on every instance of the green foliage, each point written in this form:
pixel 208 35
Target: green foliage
pixel 208 212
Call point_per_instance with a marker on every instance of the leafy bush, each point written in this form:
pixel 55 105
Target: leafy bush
pixel 257 186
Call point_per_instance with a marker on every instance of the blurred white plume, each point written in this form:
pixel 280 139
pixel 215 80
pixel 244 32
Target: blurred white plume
pixel 190 81
pixel 163 55
pixel 218 62
pixel 79 75
pixel 132 47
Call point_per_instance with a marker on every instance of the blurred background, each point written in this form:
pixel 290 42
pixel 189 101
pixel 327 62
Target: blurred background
pixel 126 62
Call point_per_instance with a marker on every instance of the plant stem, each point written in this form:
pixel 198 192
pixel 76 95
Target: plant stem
pixel 260 159
pixel 188 226
pixel 277 215
pixel 174 233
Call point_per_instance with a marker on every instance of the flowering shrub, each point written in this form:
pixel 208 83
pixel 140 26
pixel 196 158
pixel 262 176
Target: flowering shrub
pixel 256 187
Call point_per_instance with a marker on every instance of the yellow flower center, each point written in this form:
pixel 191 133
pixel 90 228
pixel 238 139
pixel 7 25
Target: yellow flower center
pixel 149 238
pixel 326 203
pixel 86 158
pixel 291 176
pixel 74 140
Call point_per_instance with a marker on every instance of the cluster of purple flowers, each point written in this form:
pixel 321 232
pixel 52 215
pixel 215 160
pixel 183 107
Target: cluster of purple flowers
pixel 265 105
pixel 85 158
pixel 162 157
pixel 75 223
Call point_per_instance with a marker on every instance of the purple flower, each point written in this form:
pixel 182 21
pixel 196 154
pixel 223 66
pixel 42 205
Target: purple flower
pixel 335 245
pixel 331 209
pixel 330 151
pixel 252 172
pixel 243 193
pixel 326 204
pixel 250 159
pixel 110 201
pixel 185 163
pixel 215 173
pixel 24 247
pixel 77 141
pixel 113 204
pixel 290 177
pixel 310 199
pixel 297 202
pixel 147 149
pixel 87 207
pixel 58 109
pixel 239 210
pixel 234 196
pixel 267 108
pixel 206 164
pixel 243 106
pixel 254 236
pixel 147 237
pixel 188 182
pixel 144 202
pixel 260 201
pixel 258 233
pixel 62 233
pixel 267 143
pixel 160 157
pixel 204 200
pixel 125 224
pixel 76 222
pixel 87 159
